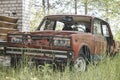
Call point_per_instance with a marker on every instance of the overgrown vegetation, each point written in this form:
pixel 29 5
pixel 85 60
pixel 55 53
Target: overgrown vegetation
pixel 109 70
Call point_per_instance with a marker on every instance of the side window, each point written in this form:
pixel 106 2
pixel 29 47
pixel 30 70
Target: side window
pixel 49 25
pixel 105 30
pixel 97 27
pixel 42 26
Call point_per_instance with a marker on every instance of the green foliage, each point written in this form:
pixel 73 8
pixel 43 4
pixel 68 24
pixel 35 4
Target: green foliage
pixel 108 70
pixel 105 9
pixel 36 19
pixel 117 35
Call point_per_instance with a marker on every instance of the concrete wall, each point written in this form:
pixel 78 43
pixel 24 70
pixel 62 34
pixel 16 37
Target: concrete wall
pixel 17 8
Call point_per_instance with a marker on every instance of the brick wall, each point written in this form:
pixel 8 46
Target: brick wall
pixel 16 8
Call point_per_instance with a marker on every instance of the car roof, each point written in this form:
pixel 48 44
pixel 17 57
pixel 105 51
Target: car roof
pixel 75 17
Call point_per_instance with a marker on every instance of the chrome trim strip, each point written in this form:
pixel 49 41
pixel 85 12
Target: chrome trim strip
pixel 36 52
pixel 13 52
pixel 34 49
pixel 61 56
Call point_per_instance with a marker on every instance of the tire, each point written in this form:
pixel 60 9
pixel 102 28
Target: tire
pixel 80 64
pixel 83 59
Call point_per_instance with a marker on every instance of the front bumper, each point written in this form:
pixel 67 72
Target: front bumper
pixel 41 55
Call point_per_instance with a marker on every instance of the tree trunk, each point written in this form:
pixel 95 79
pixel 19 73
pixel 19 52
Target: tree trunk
pixel 48 7
pixel 86 6
pixel 107 10
pixel 75 6
pixel 43 4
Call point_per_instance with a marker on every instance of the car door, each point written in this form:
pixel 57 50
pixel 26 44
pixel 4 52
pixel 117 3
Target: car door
pixel 108 35
pixel 99 40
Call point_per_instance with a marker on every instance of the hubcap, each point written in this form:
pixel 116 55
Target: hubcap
pixel 80 64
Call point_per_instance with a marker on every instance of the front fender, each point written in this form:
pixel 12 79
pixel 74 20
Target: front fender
pixel 77 50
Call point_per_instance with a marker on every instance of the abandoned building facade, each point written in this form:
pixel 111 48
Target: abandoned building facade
pixel 18 9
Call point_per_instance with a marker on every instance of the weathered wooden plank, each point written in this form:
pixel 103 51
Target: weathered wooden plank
pixel 3 37
pixel 8 19
pixel 8 24
pixel 6 30
pixel 3 34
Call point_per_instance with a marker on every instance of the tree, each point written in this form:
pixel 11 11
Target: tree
pixel 86 6
pixel 46 6
pixel 105 9
pixel 75 6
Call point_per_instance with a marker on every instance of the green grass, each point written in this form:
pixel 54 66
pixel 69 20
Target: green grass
pixel 109 70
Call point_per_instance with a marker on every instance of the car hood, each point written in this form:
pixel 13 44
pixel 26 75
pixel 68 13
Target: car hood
pixel 50 33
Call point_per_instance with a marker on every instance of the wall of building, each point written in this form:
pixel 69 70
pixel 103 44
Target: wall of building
pixel 19 9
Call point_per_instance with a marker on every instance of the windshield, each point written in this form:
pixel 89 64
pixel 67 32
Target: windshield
pixel 65 23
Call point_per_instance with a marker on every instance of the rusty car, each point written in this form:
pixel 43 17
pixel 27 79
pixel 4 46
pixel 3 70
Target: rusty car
pixel 75 40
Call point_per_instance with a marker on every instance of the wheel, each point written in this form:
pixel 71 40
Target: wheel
pixel 83 59
pixel 80 64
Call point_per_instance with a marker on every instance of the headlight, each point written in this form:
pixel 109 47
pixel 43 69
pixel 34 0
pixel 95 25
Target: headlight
pixel 63 42
pixel 16 40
